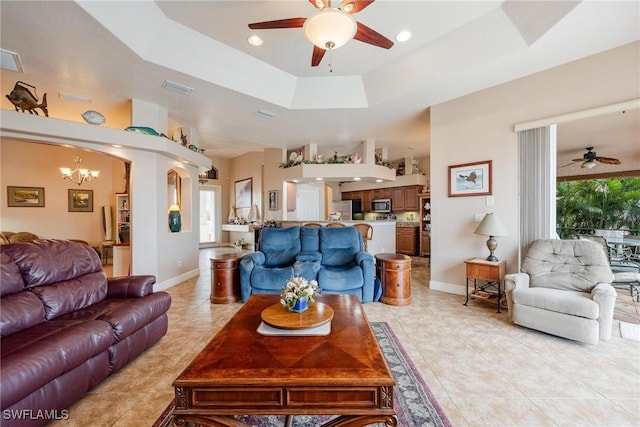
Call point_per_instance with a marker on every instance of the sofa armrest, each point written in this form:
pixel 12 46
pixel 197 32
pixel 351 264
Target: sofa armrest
pixel 247 263
pixel 130 286
pixel 366 261
pixel 515 280
pixel 604 295
pixel 512 282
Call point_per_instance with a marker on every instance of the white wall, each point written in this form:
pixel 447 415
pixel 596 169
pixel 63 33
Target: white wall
pixel 154 249
pixel 480 127
pixel 36 165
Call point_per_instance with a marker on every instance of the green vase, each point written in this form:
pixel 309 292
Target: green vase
pixel 175 222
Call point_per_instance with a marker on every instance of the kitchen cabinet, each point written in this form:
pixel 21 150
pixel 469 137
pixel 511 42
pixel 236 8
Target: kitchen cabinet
pixel 407 240
pixel 397 199
pixel 367 197
pixel 411 198
pixel 382 193
pixel 425 225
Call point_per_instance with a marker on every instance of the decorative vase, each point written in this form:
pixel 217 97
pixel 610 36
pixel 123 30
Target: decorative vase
pixel 301 305
pixel 175 221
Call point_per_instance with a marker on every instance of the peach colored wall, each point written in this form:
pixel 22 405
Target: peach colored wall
pixel 480 127
pixel 36 165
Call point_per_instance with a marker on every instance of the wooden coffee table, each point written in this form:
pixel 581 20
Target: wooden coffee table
pixel 241 372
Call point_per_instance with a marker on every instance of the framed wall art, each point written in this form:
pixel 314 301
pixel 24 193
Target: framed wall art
pixel 30 197
pixel 80 200
pixel 273 200
pixel 243 193
pixel 470 179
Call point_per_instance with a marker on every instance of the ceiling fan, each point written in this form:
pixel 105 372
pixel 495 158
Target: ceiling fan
pixel 591 158
pixel 331 28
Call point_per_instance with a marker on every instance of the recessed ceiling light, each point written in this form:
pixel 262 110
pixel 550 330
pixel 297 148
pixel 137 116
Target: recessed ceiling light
pixel 254 40
pixel 403 36
pixel 10 61
pixel 378 180
pixel 116 146
pixel 318 179
pixel 357 178
pixel 296 180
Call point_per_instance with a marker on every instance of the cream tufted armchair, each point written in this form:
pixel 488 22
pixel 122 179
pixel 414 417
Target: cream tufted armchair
pixel 564 289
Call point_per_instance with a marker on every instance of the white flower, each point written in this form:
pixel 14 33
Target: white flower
pixel 296 288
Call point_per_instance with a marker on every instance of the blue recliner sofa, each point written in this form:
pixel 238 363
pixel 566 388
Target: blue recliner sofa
pixel 335 257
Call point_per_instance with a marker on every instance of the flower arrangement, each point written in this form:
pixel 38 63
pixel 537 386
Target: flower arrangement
pixel 298 288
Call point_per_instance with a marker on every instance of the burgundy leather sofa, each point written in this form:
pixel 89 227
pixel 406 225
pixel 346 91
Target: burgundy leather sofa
pixel 65 327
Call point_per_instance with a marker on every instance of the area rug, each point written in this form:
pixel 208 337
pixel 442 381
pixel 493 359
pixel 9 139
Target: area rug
pixel 414 403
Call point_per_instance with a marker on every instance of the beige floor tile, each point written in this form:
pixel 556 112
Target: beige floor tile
pixel 483 370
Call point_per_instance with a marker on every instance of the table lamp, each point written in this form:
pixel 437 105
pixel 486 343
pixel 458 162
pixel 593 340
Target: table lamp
pixel 491 226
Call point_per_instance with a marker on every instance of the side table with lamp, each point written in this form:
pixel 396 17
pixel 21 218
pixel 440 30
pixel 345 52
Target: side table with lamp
pixel 490 270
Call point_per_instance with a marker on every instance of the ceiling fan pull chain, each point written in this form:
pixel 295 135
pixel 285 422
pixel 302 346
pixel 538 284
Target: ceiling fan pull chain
pixel 330 61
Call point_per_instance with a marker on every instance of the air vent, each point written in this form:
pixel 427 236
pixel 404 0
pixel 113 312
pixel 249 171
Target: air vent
pixel 177 87
pixel 10 61
pixel 266 114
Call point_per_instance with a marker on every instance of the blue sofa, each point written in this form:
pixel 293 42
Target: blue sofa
pixel 335 257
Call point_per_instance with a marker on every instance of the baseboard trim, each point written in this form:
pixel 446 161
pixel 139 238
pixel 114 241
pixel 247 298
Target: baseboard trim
pixel 447 287
pixel 166 284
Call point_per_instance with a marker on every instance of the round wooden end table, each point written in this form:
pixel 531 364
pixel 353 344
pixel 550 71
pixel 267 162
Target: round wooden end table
pixel 225 278
pixel 394 272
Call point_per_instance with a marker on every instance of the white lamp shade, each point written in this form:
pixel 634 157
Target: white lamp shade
pixel 491 226
pixel 330 29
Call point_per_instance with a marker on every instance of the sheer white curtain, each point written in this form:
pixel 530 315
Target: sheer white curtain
pixel 537 186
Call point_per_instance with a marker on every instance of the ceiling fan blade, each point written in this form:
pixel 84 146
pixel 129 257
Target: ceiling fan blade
pixel 367 35
pixel 608 160
pixel 354 6
pixel 280 23
pixel 316 57
pixel 577 160
pixel 319 4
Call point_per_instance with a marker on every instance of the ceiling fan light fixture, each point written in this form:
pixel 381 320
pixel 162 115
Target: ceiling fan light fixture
pixel 330 29
pixel 589 164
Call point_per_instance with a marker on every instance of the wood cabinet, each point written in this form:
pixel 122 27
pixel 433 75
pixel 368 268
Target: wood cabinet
pixel 411 197
pixel 382 193
pixel 397 199
pixel 367 197
pixel 425 225
pixel 407 240
pixel 394 272
pixel 225 278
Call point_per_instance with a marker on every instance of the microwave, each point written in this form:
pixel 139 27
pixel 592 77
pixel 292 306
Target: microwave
pixel 381 205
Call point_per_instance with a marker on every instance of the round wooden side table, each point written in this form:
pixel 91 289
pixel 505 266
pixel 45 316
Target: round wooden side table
pixel 225 278
pixel 394 272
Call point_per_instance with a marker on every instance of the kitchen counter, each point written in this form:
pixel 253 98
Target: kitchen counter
pixel 407 224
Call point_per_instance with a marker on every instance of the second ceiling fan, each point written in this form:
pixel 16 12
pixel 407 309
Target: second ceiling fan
pixel 590 158
pixel 331 28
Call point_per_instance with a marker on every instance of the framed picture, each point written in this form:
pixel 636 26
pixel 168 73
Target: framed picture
pixel 80 200
pixel 273 200
pixel 243 193
pixel 31 197
pixel 470 179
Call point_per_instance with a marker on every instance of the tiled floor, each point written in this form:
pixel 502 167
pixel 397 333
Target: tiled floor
pixel 483 370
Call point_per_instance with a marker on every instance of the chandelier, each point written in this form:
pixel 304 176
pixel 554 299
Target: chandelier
pixel 79 174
